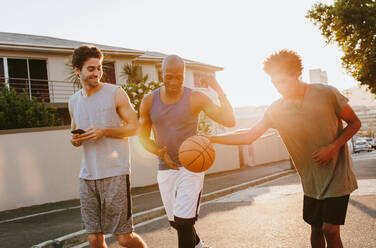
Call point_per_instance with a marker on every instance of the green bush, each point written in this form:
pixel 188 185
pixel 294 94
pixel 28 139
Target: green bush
pixel 137 91
pixel 18 111
pixel 205 126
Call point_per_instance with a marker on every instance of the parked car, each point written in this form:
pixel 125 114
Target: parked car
pixel 372 142
pixel 362 145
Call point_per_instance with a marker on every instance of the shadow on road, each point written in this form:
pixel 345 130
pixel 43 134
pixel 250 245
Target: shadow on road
pixel 365 209
pixel 233 201
pixel 205 210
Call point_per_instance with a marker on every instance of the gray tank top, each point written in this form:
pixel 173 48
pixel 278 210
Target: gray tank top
pixel 106 157
pixel 172 124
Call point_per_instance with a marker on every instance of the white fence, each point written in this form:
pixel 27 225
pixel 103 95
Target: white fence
pixel 267 149
pixel 42 167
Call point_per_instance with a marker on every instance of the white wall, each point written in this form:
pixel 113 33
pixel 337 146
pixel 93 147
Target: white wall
pixel 188 78
pixel 42 167
pixel 151 70
pixel 119 63
pixel 144 165
pixel 226 158
pixel 267 149
pixel 37 168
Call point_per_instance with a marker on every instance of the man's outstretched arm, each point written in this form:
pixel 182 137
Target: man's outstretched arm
pixel 242 137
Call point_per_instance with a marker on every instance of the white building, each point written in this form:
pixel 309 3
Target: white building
pixel 38 64
pixel 318 76
pixel 364 104
pixel 367 115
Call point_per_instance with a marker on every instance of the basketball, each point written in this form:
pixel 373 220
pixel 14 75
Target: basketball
pixel 197 154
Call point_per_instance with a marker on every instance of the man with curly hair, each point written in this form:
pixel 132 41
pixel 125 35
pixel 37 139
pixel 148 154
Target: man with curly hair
pixel 309 119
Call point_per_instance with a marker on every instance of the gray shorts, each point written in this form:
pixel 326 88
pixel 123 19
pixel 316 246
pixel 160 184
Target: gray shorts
pixel 106 205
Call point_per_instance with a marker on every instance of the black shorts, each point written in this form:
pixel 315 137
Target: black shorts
pixel 330 210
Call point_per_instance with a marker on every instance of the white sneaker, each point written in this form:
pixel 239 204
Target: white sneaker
pixel 202 245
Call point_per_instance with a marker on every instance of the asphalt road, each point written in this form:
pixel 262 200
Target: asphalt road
pixel 33 225
pixel 270 215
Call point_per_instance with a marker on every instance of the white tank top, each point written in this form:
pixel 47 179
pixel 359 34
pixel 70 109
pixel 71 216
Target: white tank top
pixel 106 157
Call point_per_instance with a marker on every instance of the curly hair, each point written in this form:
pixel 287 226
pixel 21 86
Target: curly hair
pixel 284 61
pixel 81 54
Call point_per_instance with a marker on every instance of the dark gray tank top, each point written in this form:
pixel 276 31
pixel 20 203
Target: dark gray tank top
pixel 172 124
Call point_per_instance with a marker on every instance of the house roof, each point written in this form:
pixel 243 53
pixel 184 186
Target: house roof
pixel 151 56
pixel 16 41
pixel 27 42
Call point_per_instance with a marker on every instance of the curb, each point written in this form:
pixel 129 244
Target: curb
pixel 79 237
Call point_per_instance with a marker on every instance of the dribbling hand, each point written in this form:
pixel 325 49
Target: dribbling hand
pixel 167 159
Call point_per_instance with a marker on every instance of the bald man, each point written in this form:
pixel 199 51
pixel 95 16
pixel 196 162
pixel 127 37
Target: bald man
pixel 172 111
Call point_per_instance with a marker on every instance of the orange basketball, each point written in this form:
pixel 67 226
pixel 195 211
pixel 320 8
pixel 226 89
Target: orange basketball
pixel 197 154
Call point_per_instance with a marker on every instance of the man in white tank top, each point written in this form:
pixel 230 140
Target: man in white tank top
pixel 172 113
pixel 104 112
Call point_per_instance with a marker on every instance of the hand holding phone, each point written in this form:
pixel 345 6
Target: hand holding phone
pixel 78 131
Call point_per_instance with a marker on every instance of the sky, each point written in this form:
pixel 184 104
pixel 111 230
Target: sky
pixel 237 35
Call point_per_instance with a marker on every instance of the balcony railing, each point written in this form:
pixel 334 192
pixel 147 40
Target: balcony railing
pixel 51 91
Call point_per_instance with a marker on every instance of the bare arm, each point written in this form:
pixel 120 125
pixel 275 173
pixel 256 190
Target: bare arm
pixel 325 154
pixel 353 126
pixel 73 127
pixel 126 113
pixel 243 137
pixel 222 114
pixel 145 131
pixel 146 124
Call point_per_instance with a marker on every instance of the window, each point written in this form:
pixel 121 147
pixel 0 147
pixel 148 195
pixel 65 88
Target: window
pixel 29 75
pixel 109 73
pixel 39 79
pixel 18 78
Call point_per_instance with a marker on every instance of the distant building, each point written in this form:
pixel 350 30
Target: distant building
pixel 367 115
pixel 364 104
pixel 360 96
pixel 318 76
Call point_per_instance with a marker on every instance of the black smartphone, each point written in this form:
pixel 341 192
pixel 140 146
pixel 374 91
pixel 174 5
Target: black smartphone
pixel 78 131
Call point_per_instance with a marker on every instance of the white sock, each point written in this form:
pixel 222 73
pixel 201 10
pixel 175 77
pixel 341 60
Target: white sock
pixel 199 245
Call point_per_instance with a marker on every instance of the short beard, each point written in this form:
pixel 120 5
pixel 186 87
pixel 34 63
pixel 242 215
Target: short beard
pixel 91 84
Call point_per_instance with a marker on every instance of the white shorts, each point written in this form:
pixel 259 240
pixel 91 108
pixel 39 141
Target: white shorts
pixel 181 192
